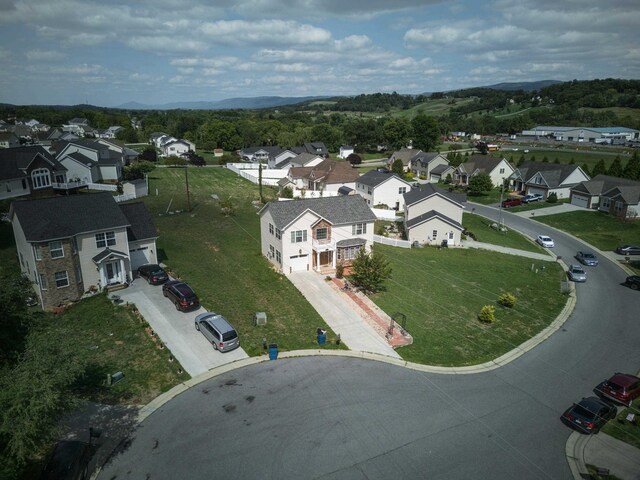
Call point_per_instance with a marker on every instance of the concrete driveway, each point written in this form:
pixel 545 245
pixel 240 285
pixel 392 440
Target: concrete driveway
pixel 339 314
pixel 176 329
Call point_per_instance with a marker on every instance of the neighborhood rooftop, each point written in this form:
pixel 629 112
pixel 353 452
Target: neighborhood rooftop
pixel 426 190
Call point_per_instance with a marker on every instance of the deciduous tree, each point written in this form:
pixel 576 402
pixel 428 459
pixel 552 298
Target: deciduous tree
pixel 480 183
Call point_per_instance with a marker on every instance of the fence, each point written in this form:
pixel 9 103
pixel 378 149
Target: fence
pixel 395 242
pixel 102 186
pixel 124 197
pixel 270 177
pixel 382 214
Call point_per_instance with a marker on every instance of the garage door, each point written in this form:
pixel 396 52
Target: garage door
pixel 579 200
pixel 139 256
pixel 298 262
pixel 533 191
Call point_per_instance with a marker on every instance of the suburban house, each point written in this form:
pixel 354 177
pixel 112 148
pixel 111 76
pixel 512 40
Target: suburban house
pixel 77 126
pixel 345 151
pixel 110 132
pixel 382 189
pixel 546 178
pixel 497 168
pixel 423 163
pixel 274 156
pixel 89 161
pixel 315 233
pixel 587 194
pixel 326 177
pixel 433 216
pixel 29 170
pixel 441 173
pixel 314 148
pixel 404 154
pixel 70 245
pixel 305 160
pixel 9 140
pixel 622 201
pixel 177 147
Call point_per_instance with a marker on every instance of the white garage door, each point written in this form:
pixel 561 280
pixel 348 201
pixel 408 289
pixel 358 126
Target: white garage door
pixel 533 191
pixel 580 200
pixel 139 256
pixel 298 262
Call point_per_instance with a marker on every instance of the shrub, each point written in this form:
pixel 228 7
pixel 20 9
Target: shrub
pixel 552 198
pixel 339 270
pixel 287 192
pixel 507 300
pixel 487 314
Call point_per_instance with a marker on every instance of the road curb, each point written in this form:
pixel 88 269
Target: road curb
pixel 574 450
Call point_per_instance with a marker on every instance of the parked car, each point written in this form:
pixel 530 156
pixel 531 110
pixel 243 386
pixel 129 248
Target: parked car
pixel 621 388
pixel 628 250
pixel 633 282
pixel 218 331
pixel 587 258
pixel 576 273
pixel 181 294
pixel 530 198
pixel 589 415
pixel 511 202
pixel 153 274
pixel 545 241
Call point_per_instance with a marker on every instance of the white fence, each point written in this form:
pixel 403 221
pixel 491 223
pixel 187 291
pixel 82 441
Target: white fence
pixel 102 186
pixel 396 242
pixel 382 214
pixel 250 171
pixel 313 193
pixel 124 197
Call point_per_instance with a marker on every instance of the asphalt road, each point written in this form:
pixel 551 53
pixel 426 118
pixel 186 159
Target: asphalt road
pixel 347 418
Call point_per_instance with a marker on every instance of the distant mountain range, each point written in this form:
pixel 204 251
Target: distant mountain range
pixel 526 86
pixel 227 104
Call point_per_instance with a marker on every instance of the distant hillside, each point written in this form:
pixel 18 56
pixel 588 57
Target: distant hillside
pixel 249 103
pixel 525 86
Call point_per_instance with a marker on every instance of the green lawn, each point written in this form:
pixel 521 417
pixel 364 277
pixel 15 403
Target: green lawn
pixel 599 229
pixel 441 292
pixel 622 429
pixel 220 257
pixel 481 227
pixel 486 198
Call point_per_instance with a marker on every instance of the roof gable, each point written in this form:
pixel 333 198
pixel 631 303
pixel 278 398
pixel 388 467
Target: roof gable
pixel 374 178
pixel 424 191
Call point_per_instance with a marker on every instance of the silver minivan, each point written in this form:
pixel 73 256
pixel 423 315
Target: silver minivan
pixel 218 331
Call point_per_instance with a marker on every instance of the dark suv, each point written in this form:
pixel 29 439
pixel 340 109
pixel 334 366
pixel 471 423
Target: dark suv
pixel 181 294
pixel 152 273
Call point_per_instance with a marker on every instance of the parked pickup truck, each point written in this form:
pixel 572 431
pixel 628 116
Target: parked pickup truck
pixel 532 198
pixel 511 202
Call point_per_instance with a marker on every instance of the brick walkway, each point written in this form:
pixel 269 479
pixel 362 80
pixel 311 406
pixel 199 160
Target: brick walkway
pixel 375 317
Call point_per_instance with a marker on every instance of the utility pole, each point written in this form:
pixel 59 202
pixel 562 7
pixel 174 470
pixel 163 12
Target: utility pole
pixel 500 214
pixel 260 180
pixel 186 179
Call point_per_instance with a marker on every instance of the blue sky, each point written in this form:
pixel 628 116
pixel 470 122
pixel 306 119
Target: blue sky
pixel 160 51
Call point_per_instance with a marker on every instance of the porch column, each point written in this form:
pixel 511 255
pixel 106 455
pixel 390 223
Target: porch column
pixel 317 261
pixel 334 254
pixel 123 275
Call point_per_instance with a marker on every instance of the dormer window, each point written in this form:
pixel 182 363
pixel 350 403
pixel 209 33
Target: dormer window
pixel 41 178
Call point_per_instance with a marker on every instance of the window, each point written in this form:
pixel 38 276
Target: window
pixel 41 178
pixel 271 231
pixel 278 233
pixel 106 239
pixel 369 190
pixel 502 170
pixel 435 234
pixel 78 274
pixel 43 282
pixel 299 236
pixel 359 229
pixel 272 251
pixel 402 190
pixel 62 279
pixel 348 253
pixel 278 257
pixel 56 250
pixel 322 233
pixel 36 252
pixel 74 245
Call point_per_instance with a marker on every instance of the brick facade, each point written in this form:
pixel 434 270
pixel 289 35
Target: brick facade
pixel 54 296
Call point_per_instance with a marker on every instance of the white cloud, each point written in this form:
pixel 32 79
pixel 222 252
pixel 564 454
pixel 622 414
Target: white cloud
pixel 45 55
pixel 261 32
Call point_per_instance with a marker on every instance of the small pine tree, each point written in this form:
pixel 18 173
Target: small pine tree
pixel 599 168
pixel 556 160
pixel 545 159
pixel 552 198
pixel 632 168
pixel 571 162
pixel 369 271
pixel 507 300
pixel 615 169
pixel 585 169
pixel 487 314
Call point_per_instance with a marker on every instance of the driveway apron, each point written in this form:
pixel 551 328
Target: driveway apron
pixel 354 331
pixel 176 329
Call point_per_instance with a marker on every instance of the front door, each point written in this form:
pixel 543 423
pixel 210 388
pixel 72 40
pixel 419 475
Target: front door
pixel 113 272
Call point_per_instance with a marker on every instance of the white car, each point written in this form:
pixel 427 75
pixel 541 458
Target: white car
pixel 545 241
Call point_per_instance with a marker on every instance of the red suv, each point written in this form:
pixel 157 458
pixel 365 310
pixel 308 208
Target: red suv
pixel 511 202
pixel 181 294
pixel 622 388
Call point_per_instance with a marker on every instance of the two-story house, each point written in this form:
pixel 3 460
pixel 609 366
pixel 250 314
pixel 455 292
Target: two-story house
pixel 29 170
pixel 68 245
pixel 382 189
pixel 423 165
pixel 326 177
pixel 499 169
pixel 433 216
pixel 545 178
pixel 315 233
pixel 89 160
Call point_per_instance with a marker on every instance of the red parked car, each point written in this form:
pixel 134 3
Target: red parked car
pixel 622 388
pixel 511 202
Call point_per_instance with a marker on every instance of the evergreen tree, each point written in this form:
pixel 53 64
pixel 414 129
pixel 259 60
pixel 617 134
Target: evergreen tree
pixel 397 167
pixel 480 183
pixel 599 168
pixel 369 271
pixel 571 162
pixel 615 169
pixel 585 169
pixel 632 169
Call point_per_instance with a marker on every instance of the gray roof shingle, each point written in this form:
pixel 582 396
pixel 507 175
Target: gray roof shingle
pixel 65 216
pixel 429 215
pixel 339 210
pixel 426 190
pixel 141 226
pixel 373 178
pixel 14 161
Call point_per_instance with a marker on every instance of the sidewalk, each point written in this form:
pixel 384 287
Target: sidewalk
pixel 340 315
pixel 560 208
pixel 507 250
pixel 603 451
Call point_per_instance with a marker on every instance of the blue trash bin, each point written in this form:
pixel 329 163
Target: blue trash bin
pixel 322 339
pixel 273 351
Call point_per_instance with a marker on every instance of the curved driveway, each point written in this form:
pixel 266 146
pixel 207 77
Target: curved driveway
pixel 328 417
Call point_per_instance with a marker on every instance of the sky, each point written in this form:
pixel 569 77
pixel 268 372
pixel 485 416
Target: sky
pixel 160 51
